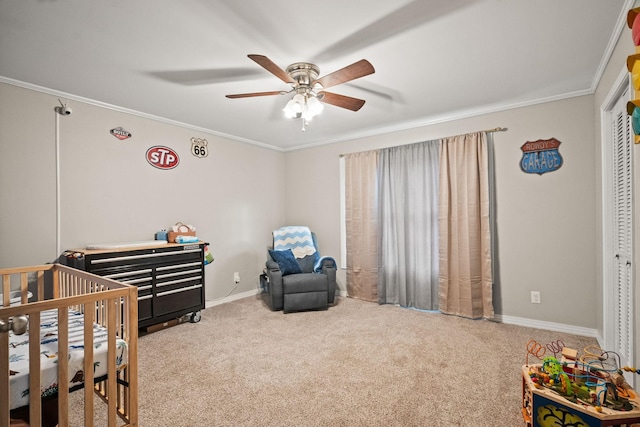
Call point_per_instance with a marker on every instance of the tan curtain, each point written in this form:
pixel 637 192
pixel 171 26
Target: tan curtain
pixel 466 280
pixel 361 225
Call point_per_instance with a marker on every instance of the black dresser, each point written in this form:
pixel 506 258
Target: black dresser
pixel 169 277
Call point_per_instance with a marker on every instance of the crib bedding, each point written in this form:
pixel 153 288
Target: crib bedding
pixel 19 356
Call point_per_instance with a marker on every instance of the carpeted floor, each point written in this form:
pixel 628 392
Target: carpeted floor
pixel 356 364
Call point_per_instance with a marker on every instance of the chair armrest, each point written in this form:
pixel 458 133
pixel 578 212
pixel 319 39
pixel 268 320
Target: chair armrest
pixel 328 263
pixel 274 276
pixel 329 268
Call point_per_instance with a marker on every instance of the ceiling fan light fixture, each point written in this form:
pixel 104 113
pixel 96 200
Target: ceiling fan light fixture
pixel 295 106
pixel 305 106
pixel 299 102
pixel 314 105
pixel 289 110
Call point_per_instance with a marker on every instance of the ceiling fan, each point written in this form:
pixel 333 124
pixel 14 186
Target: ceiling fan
pixel 308 88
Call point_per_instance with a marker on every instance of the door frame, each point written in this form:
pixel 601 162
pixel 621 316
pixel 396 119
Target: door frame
pixel 621 84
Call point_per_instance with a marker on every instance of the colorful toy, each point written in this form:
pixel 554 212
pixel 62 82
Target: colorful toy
pixel 555 347
pixel 536 349
pixel 590 390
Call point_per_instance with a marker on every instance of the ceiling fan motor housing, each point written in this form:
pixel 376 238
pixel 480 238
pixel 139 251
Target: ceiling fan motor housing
pixel 303 73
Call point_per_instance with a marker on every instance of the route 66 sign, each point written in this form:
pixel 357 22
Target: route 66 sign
pixel 199 147
pixel 541 156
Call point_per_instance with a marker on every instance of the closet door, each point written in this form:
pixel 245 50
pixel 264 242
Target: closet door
pixel 621 302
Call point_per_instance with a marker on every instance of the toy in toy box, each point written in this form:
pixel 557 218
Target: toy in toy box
pixel 180 229
pixel 579 391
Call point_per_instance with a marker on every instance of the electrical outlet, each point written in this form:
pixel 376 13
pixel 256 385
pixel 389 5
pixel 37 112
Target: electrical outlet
pixel 535 297
pixel 236 277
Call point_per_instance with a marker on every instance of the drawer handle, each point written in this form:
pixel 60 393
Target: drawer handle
pixel 175 291
pixel 128 273
pixel 134 281
pixel 178 273
pixel 144 288
pixel 145 297
pixel 173 282
pixel 171 267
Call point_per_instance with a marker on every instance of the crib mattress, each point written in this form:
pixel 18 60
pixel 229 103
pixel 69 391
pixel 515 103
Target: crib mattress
pixel 19 356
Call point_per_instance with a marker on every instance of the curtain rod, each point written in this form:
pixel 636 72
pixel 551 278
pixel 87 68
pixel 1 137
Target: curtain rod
pixel 498 129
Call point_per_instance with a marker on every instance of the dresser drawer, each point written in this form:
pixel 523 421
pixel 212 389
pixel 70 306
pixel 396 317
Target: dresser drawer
pixel 145 308
pixel 174 300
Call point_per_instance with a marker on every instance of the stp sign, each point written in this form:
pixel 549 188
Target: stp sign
pixel 162 157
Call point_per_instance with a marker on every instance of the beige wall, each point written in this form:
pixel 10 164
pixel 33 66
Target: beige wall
pixel 109 193
pixel 545 223
pixel 27 178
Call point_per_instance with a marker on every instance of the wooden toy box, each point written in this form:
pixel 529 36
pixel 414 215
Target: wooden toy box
pixel 542 407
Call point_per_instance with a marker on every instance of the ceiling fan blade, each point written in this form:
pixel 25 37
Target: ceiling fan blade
pixel 343 101
pixel 271 67
pixel 249 95
pixel 350 72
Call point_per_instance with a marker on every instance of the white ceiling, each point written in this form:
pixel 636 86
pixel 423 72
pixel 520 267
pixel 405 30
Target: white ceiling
pixel 435 60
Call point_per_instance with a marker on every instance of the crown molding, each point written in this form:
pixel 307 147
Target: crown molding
pixel 433 120
pixel 117 108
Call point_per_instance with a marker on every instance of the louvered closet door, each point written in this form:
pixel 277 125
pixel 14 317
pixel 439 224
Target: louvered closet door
pixel 622 301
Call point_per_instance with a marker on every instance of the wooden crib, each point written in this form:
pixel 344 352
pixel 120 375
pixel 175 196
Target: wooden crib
pixel 99 303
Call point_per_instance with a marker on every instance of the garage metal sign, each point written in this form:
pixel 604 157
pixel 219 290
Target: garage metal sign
pixel 541 156
pixel 120 133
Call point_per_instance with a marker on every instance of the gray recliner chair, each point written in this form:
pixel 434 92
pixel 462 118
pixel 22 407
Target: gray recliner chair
pixel 299 289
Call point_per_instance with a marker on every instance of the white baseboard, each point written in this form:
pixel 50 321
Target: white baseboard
pixel 233 297
pixel 549 326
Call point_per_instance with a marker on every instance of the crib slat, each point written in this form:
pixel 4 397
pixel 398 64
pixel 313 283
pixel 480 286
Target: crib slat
pixel 63 367
pixel 121 334
pixel 88 365
pixel 35 395
pixel 6 285
pixel 4 378
pixel 56 286
pixel 132 369
pixel 24 288
pixel 112 389
pixel 4 356
pixel 40 286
